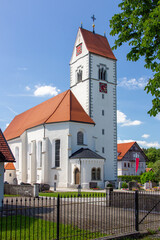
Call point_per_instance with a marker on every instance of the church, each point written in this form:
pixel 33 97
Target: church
pixel 71 139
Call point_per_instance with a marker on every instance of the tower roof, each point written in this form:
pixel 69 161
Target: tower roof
pixel 97 44
pixel 61 108
pixel 5 152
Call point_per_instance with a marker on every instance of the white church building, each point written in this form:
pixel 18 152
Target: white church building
pixel 71 139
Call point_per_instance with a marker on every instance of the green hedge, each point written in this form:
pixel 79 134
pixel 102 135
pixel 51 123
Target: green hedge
pixel 128 178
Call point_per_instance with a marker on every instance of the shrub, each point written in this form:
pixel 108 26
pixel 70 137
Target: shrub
pixel 124 185
pixel 129 178
pixel 109 185
pixel 148 176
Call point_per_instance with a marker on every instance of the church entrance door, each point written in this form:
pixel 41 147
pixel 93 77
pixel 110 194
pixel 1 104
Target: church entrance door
pixel 77 176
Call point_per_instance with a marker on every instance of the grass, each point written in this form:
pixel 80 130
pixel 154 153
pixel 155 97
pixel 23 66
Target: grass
pixel 73 194
pixel 29 228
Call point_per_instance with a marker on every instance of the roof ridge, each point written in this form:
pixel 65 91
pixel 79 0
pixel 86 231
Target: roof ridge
pixel 57 106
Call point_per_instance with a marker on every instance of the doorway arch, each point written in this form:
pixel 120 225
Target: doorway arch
pixel 76 176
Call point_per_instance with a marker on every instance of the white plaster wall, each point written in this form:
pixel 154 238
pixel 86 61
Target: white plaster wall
pixel 130 170
pixel 53 132
pixel 13 144
pixel 9 178
pixel 1 181
pixel 85 166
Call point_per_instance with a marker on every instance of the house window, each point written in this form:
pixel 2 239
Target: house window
pixel 102 96
pixel 80 138
pixel 128 164
pixel 98 173
pixel 55 177
pixel 102 74
pixel 10 174
pixel 124 164
pixel 102 149
pixel 79 75
pixel 102 131
pixel 57 153
pixel 135 155
pixel 102 112
pixel 17 157
pixel 93 174
pixel 39 159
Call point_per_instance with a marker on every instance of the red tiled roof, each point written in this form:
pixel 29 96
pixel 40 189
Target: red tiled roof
pixel 97 44
pixel 5 152
pixel 123 148
pixel 61 108
pixel 9 166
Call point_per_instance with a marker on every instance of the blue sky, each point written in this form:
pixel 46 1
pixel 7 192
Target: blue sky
pixel 36 43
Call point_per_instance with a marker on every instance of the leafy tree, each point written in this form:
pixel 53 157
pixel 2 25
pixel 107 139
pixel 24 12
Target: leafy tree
pixel 152 154
pixel 148 176
pixel 139 25
pixel 156 169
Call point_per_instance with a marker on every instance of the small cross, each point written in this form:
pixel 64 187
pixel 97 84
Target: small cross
pixel 93 17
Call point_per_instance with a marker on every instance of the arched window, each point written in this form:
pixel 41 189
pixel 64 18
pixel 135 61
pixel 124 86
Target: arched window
pixel 124 164
pixel 93 174
pixel 102 73
pixel 39 159
pixel 57 153
pixel 80 138
pixel 98 173
pixel 17 157
pixel 79 75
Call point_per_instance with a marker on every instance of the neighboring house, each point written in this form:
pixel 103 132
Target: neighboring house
pixel 71 138
pixel 10 173
pixel 149 170
pixel 5 156
pixel 127 154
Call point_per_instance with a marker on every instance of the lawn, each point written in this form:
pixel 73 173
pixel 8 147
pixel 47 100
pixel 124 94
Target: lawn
pixel 30 228
pixel 72 194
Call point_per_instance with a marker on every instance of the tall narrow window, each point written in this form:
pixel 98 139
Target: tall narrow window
pixel 39 159
pixel 57 153
pixel 102 112
pixel 98 173
pixel 17 157
pixel 93 173
pixel 79 75
pixel 102 131
pixel 80 138
pixel 102 73
pixel 102 149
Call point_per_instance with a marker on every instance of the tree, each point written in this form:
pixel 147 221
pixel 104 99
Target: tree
pixel 148 176
pixel 156 169
pixel 139 25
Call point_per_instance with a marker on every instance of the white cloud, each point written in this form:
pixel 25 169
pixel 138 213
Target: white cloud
pixel 142 144
pixel 145 136
pixel 45 90
pixel 148 144
pixel 124 121
pixel 133 83
pixel 28 88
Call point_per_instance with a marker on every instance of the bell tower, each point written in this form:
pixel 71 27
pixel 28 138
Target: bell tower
pixel 93 81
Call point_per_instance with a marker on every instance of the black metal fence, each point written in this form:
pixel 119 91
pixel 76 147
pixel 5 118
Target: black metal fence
pixel 84 217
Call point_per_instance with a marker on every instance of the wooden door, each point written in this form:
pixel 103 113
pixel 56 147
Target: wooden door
pixel 77 176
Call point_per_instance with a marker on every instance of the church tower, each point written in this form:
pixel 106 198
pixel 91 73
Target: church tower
pixel 93 81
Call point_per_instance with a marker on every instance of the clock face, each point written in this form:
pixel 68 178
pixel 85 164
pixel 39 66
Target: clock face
pixel 79 49
pixel 103 87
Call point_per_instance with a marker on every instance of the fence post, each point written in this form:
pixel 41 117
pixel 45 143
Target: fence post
pixel 108 196
pixel 58 212
pixel 136 211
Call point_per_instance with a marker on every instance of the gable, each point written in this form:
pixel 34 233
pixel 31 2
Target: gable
pixel 5 152
pixel 64 107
